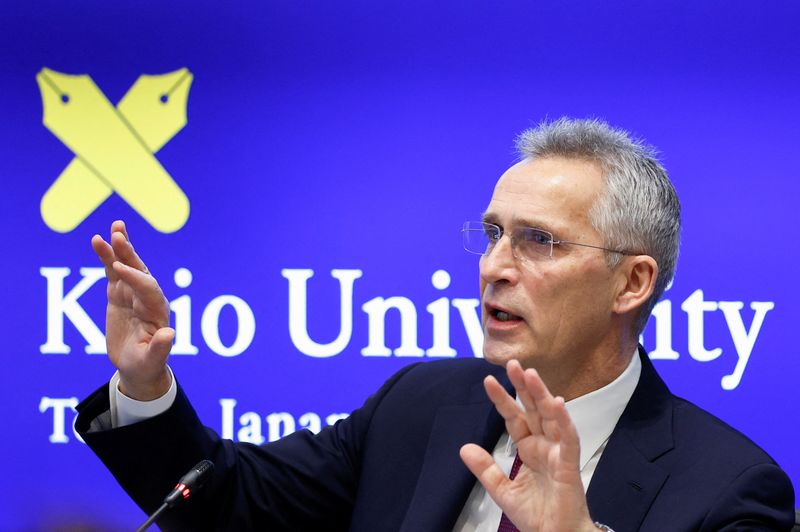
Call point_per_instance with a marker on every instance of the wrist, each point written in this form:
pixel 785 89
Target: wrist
pixel 147 390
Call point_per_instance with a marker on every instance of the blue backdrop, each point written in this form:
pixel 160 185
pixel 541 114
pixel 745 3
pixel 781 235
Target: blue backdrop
pixel 337 145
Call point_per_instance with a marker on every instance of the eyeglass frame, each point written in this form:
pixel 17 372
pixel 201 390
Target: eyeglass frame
pixel 513 236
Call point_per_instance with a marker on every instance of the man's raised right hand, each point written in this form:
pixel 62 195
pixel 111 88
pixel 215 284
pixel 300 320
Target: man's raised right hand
pixel 138 336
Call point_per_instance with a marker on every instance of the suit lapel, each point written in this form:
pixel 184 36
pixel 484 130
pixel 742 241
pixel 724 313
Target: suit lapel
pixel 445 482
pixel 627 480
pixel 624 484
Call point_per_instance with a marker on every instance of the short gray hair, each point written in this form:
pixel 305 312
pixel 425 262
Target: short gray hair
pixel 639 210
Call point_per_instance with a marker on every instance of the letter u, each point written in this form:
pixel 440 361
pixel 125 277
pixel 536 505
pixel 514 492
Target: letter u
pixel 298 311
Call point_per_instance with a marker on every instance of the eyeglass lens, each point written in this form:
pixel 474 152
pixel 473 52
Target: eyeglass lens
pixel 528 242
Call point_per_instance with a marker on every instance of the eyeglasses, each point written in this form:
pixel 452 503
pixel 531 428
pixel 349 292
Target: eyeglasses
pixel 527 243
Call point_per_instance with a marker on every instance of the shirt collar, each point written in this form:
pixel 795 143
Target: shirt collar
pixel 596 414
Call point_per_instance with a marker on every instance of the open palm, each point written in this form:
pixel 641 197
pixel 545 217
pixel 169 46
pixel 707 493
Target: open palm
pixel 138 336
pixel 547 494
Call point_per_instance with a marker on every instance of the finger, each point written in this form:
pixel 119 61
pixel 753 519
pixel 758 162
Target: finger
pixel 545 405
pixel 105 253
pixel 118 226
pixel 570 445
pixel 147 290
pixel 517 376
pixel 123 249
pixel 508 408
pixel 135 277
pixel 485 469
pixel 535 386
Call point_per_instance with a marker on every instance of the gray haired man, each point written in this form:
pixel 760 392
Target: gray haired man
pixel 578 242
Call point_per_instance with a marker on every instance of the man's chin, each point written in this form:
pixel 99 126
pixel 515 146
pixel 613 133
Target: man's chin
pixel 500 351
pixel 500 355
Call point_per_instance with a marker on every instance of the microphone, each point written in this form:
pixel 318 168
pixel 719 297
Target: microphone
pixel 188 484
pixel 192 480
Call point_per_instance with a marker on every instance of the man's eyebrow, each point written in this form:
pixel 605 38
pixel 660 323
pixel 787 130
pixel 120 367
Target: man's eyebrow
pixel 491 218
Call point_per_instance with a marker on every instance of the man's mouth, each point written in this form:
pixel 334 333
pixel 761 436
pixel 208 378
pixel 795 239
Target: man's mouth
pixel 502 315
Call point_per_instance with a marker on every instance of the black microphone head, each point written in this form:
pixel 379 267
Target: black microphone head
pixel 198 475
pixel 191 481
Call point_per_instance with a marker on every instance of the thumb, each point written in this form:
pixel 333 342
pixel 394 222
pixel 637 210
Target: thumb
pixel 483 466
pixel 161 343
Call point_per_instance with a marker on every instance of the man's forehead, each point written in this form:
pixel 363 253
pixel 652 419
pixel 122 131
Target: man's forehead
pixel 546 193
pixel 558 173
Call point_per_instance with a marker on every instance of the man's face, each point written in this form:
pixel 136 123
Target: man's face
pixel 559 306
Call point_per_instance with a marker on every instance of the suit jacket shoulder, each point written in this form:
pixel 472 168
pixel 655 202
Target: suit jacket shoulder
pixel 670 465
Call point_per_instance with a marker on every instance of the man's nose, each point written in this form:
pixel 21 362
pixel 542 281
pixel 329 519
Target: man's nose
pixel 500 264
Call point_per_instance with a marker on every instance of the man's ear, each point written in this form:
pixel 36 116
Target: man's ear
pixel 638 274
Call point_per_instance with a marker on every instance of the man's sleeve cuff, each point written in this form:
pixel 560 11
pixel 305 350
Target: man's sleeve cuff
pixel 127 411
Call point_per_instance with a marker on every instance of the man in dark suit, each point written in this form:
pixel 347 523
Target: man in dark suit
pixel 592 440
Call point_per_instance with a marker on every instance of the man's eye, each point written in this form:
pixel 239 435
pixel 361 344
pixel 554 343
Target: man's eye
pixel 493 234
pixel 534 236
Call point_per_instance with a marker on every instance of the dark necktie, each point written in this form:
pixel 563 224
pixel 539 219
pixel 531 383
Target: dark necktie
pixel 505 523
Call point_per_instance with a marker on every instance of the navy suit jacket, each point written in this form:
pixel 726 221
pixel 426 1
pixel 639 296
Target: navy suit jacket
pixel 394 463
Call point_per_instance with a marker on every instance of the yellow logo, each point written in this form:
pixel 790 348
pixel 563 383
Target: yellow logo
pixel 114 147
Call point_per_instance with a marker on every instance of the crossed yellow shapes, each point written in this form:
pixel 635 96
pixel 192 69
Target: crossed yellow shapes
pixel 114 147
